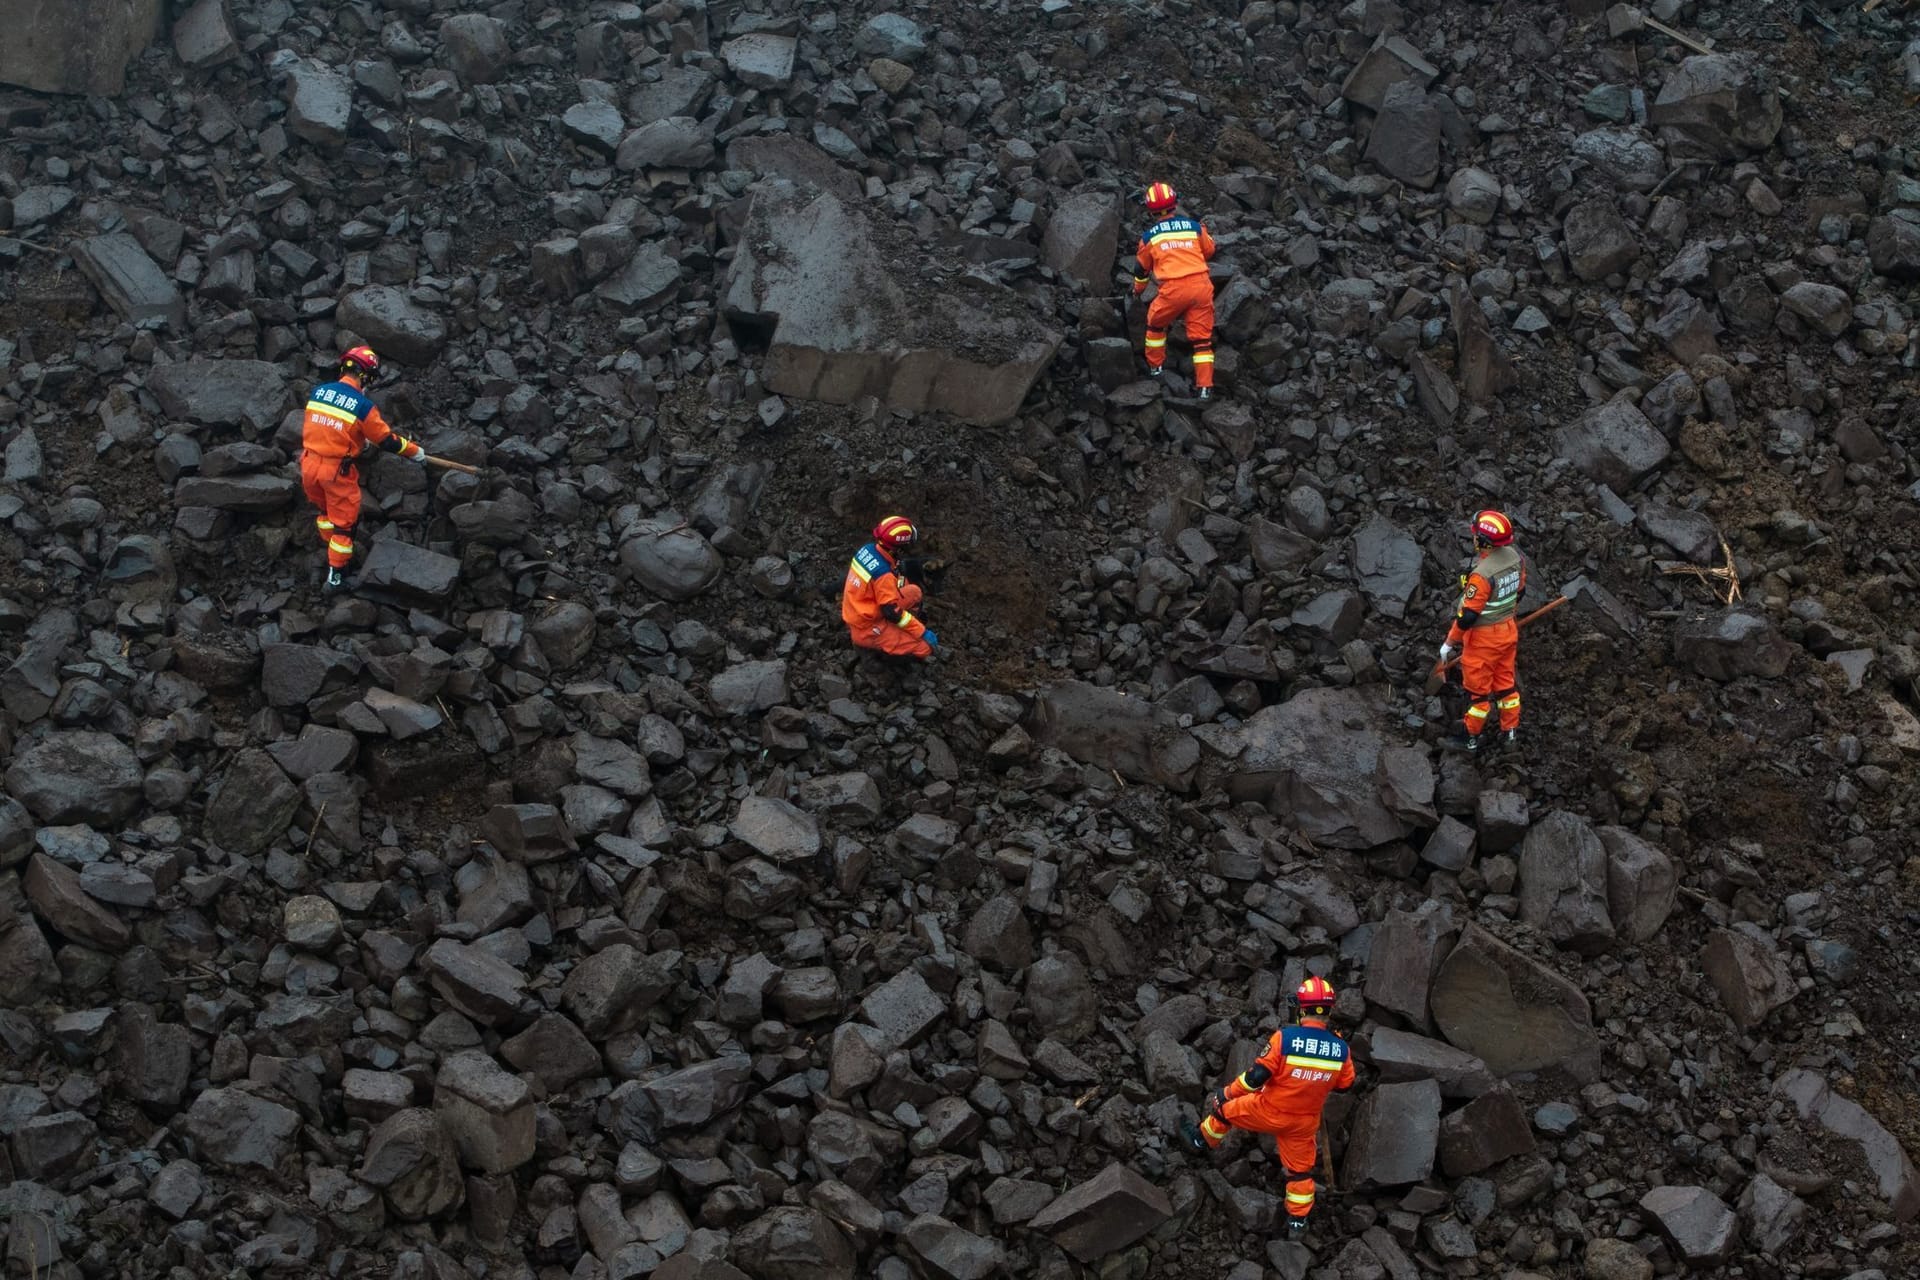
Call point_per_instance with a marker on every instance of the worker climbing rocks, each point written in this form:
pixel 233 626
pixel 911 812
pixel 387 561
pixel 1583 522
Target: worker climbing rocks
pixel 342 420
pixel 1283 1093
pixel 1175 251
pixel 1486 635
pixel 340 423
pixel 877 602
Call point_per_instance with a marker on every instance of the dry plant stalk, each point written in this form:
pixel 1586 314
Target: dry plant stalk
pixel 1727 578
pixel 318 818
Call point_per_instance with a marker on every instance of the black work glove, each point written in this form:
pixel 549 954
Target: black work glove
pixel 924 572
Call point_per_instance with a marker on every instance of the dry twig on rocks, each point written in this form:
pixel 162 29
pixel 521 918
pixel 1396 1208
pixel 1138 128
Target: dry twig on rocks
pixel 1729 577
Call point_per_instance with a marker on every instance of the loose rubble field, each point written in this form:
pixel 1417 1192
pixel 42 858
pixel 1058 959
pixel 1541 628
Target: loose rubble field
pixel 569 900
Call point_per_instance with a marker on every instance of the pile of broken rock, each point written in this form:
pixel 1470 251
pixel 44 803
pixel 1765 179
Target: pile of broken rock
pixel 564 903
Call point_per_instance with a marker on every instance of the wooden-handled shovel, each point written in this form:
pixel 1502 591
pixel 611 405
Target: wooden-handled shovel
pixel 1440 669
pixel 449 464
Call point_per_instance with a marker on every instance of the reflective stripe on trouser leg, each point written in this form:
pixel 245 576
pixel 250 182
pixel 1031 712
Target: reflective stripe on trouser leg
pixel 340 547
pixel 1477 713
pixel 1510 710
pixel 1203 362
pixel 1214 1130
pixel 1299 1194
pixel 1156 347
pixel 325 526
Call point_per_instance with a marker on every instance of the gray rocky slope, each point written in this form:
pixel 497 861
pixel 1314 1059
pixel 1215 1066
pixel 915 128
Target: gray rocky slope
pixel 567 902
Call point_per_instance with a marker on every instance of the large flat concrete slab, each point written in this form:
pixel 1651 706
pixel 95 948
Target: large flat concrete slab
pixel 132 283
pixel 75 46
pixel 847 306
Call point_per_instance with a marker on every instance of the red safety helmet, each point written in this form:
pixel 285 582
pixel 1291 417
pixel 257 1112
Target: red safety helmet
pixel 895 532
pixel 360 359
pixel 1160 197
pixel 1493 527
pixel 1315 995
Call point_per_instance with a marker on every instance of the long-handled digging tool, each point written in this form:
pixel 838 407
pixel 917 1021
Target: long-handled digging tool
pixel 1326 1161
pixel 1440 669
pixel 449 464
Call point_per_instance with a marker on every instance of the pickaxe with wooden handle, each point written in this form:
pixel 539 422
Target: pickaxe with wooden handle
pixel 1326 1160
pixel 449 464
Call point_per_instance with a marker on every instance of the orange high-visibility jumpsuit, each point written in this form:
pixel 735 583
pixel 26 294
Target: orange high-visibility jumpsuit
pixel 1488 636
pixel 341 421
pixel 1283 1094
pixel 877 603
pixel 1175 251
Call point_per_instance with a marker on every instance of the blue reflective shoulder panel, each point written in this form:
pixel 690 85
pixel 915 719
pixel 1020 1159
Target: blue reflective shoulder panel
pixel 1312 1042
pixel 342 397
pixel 872 561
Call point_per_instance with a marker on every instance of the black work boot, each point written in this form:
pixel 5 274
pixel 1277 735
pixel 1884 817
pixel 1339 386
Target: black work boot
pixel 1472 743
pixel 335 581
pixel 1510 738
pixel 1154 370
pixel 1206 393
pixel 1190 1134
pixel 1296 1227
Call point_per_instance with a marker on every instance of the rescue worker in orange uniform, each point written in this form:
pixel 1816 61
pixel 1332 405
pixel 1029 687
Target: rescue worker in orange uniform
pixel 1175 251
pixel 342 420
pixel 1283 1094
pixel 1486 634
pixel 878 601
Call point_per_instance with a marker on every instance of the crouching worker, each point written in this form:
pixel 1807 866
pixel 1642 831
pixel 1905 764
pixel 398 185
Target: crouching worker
pixel 878 601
